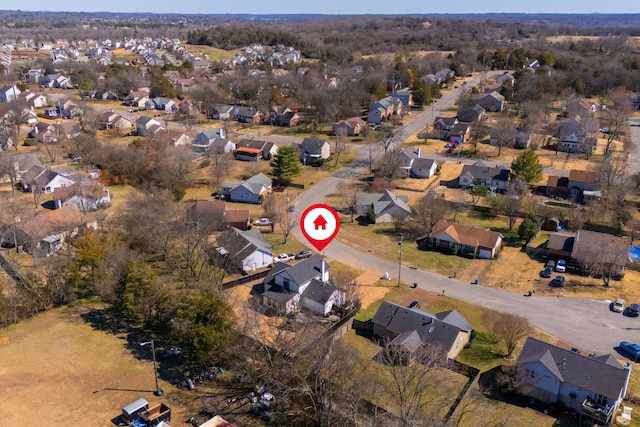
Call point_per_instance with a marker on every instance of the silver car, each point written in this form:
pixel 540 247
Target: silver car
pixel 618 305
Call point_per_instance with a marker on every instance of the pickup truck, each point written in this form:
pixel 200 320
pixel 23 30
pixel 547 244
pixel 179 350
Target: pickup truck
pixel 155 414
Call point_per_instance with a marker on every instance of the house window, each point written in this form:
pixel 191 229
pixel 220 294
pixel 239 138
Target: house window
pixel 529 373
pixel 601 400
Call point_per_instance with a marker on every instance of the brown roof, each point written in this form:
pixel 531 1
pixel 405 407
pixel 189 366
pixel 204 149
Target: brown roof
pixel 467 234
pixel 248 150
pixel 583 176
pixel 236 215
pixel 49 222
pixel 206 206
pixel 552 181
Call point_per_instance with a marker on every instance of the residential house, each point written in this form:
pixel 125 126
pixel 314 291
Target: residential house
pixel 245 250
pixel 589 244
pixel 573 136
pixel 442 76
pixel 288 287
pixel 48 133
pixel 51 112
pixel 408 329
pixel 313 149
pixel 110 120
pixel 442 126
pixel 137 99
pixel 515 138
pixel 175 138
pixel 384 108
pixel 44 180
pixel 9 93
pixel 593 386
pixel 351 126
pixel 280 115
pixel 252 150
pixel 404 95
pixel 495 178
pixel 247 115
pixel 188 108
pixel 36 100
pixel 414 165
pixel 489 101
pixel 22 162
pixel 251 190
pixel 579 185
pixel 67 109
pixel 205 139
pixel 45 233
pixel 471 115
pixel 147 126
pixel 481 242
pixel 221 146
pixel 221 111
pixel 560 245
pixel 385 207
pixel 165 104
pixel 58 81
pixel 506 77
pixel 213 214
pixel 84 196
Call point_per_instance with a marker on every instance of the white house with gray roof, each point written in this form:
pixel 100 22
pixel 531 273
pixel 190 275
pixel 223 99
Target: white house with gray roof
pixel 305 284
pixel 592 385
pixel 412 164
pixel 245 250
pixel 384 207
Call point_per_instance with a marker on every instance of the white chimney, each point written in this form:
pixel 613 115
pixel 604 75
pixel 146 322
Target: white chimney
pixel 322 270
pixel 418 152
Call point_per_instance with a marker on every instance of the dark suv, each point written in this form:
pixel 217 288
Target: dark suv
pixel 634 310
pixel 557 282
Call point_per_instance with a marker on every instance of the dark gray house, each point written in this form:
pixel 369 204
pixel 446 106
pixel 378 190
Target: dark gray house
pixel 494 178
pixel 410 328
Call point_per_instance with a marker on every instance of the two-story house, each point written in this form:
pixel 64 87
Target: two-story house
pixel 412 164
pixel 313 149
pixel 442 126
pixel 593 386
pixel 287 287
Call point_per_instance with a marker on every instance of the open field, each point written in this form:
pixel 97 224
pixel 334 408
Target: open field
pixel 59 369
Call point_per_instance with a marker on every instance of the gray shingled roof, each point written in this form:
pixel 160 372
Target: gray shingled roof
pixel 484 171
pixel 240 244
pixel 429 327
pixel 318 291
pixel 598 375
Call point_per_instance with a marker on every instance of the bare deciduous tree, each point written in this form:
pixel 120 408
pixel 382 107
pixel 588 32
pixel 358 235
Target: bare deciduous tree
pixel 350 195
pixel 427 212
pixel 510 328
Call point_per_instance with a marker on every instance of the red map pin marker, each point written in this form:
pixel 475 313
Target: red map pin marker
pixel 320 224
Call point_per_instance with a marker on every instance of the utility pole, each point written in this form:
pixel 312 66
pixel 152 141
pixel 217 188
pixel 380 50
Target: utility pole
pixel 400 258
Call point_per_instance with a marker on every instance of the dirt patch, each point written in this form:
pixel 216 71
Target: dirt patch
pixel 367 291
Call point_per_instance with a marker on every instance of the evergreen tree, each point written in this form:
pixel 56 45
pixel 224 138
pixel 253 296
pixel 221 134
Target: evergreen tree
pixel 527 166
pixel 286 164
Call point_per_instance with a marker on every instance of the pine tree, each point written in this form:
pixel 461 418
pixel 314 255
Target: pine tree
pixel 286 164
pixel 527 166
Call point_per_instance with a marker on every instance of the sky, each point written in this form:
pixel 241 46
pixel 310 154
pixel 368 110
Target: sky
pixel 337 7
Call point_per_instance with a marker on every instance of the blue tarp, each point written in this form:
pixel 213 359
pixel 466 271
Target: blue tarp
pixel 634 253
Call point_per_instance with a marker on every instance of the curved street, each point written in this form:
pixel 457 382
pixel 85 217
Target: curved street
pixel 585 323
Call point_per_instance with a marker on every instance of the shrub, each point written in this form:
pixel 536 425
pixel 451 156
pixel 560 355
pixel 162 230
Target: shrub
pixel 205 163
pixel 178 193
pixel 29 142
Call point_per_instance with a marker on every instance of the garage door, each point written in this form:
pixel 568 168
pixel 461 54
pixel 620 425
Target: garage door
pixel 484 254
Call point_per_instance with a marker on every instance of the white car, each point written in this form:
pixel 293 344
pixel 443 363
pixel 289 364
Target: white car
pixel 561 266
pixel 618 305
pixel 262 221
pixel 283 258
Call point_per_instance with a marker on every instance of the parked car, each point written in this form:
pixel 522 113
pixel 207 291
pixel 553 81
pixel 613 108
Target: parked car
pixel 262 221
pixel 414 304
pixel 546 273
pixel 630 349
pixel 561 266
pixel 633 310
pixel 575 350
pixel 557 282
pixel 283 258
pixel 279 188
pixel 618 305
pixel 303 254
pixel 551 264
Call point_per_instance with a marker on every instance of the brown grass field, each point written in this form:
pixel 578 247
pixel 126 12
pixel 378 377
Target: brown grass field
pixel 59 370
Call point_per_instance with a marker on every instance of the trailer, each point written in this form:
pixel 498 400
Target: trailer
pixel 155 414
pixel 132 410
